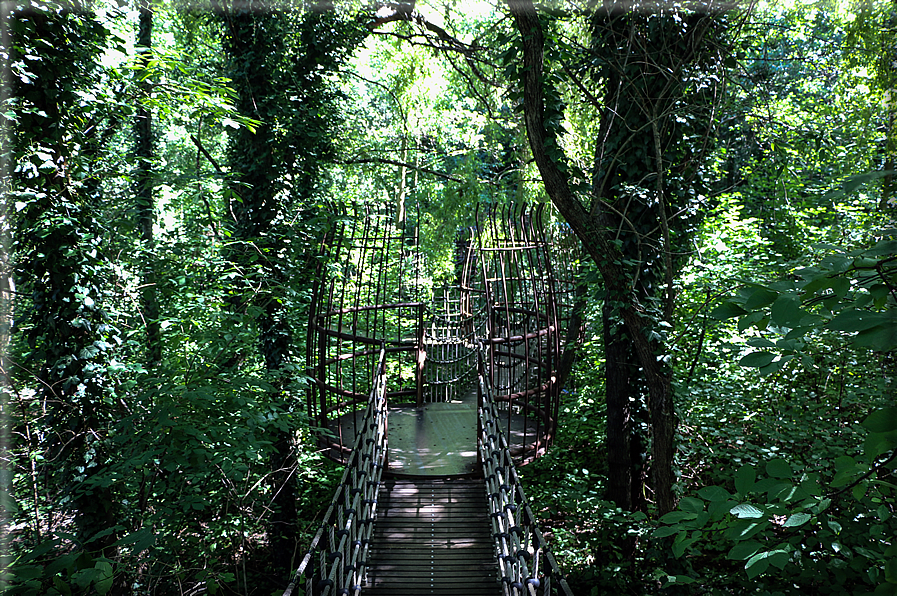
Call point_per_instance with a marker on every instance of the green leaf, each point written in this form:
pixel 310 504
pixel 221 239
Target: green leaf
pixel 760 297
pixel 756 359
pixel 779 468
pixel 779 557
pixel 745 478
pixel 681 545
pixel 843 478
pixel 744 550
pixel 775 365
pixel 746 511
pixel 703 518
pixel 881 421
pixel 755 317
pixel 876 444
pixel 881 338
pixel 756 565
pixel 61 586
pixel 845 462
pixel 27 572
pixel 854 182
pixel 883 248
pixel 891 570
pixel 714 493
pixel 727 310
pixel 858 320
pixel 778 489
pixel 103 581
pixel 786 312
pixel 665 531
pixel 691 504
pixel 674 517
pixel 760 342
pixel 840 286
pixel 797 519
pixel 85 577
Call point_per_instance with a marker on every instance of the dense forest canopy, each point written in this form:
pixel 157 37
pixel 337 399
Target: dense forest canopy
pixel 171 169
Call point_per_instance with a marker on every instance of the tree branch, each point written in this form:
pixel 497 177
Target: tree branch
pixel 405 11
pixel 401 164
pixel 206 154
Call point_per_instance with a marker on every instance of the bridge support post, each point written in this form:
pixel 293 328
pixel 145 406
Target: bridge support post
pixel 421 356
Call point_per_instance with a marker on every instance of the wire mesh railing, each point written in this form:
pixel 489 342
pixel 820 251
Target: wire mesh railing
pixel 526 565
pixel 336 560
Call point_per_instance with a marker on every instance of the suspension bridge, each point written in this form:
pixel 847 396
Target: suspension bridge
pixel 432 397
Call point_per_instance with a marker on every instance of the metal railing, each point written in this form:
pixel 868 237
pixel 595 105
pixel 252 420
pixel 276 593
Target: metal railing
pixel 337 558
pixel 526 564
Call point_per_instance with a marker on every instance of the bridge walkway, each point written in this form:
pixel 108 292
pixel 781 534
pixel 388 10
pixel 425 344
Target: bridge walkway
pixel 432 536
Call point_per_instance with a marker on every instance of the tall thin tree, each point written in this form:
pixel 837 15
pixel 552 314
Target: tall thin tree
pixel 144 150
pixel 59 261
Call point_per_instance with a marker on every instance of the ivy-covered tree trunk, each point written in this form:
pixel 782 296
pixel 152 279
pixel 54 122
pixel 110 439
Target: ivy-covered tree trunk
pixel 625 441
pixel 254 42
pixel 627 217
pixel 279 62
pixel 59 265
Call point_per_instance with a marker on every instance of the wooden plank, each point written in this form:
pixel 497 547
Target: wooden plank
pixel 378 590
pixel 443 517
pixel 413 557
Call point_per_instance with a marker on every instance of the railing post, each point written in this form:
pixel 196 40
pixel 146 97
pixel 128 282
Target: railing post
pixel 421 355
pixel 480 371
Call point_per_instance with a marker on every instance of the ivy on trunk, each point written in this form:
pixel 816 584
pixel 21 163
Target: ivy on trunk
pixel 637 212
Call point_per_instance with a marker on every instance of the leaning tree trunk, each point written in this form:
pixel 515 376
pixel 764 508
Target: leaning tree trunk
pixel 646 79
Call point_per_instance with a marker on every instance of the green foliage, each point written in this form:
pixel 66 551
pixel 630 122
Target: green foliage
pixel 810 512
pixel 589 535
pixel 780 518
pixel 850 293
pixel 128 479
pixel 161 481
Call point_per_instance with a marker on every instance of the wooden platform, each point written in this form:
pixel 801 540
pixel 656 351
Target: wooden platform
pixel 438 439
pixel 432 536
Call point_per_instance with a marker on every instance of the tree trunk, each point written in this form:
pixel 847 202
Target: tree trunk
pixel 59 264
pixel 145 153
pixel 258 165
pixel 599 241
pixel 621 485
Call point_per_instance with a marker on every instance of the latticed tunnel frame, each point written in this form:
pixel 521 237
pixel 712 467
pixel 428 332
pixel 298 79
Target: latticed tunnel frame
pixel 512 293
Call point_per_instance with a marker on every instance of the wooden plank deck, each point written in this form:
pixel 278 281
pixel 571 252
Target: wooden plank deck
pixel 432 536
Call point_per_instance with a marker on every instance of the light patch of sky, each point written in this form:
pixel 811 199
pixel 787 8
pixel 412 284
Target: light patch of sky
pixel 123 24
pixel 843 7
pixel 434 85
pixel 472 10
pixel 419 98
